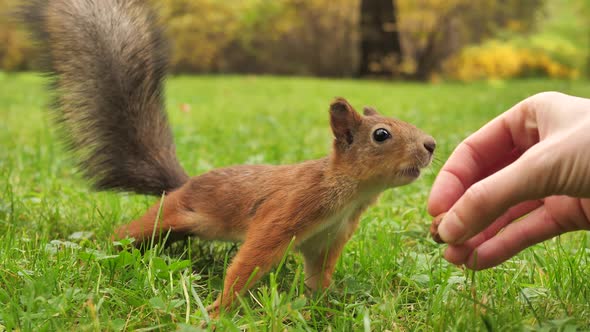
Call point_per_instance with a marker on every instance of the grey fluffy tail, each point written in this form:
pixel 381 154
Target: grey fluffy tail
pixel 108 60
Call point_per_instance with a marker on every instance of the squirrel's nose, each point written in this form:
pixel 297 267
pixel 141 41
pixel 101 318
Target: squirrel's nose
pixel 430 145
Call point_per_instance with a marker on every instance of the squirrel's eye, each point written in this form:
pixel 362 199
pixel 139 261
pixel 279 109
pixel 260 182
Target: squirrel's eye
pixel 381 135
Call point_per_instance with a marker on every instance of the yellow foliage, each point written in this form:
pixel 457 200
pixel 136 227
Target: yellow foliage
pixel 502 60
pixel 321 37
pixel 199 30
pixel 273 36
pixel 434 30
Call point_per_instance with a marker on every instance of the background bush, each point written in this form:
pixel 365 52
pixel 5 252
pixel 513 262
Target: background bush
pixel 455 39
pixel 16 52
pixel 503 60
pixel 557 48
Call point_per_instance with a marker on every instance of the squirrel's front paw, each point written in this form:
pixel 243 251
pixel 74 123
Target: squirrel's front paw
pixel 213 313
pixel 213 309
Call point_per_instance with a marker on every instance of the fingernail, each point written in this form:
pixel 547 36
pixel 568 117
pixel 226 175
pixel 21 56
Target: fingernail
pixel 451 228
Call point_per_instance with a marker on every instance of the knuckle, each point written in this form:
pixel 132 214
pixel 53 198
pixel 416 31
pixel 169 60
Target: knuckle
pixel 546 96
pixel 477 195
pixel 548 173
pixel 541 100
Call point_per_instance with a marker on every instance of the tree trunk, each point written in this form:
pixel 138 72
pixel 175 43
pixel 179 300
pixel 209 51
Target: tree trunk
pixel 380 41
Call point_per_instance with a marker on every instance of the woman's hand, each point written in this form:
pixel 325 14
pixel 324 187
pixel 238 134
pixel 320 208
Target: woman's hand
pixel 533 160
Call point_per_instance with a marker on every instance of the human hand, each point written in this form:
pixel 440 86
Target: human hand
pixel 532 160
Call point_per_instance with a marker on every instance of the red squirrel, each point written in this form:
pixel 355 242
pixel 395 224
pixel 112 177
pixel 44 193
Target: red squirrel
pixel 108 60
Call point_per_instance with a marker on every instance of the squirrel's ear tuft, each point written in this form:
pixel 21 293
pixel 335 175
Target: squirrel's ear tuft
pixel 344 121
pixel 340 105
pixel 370 111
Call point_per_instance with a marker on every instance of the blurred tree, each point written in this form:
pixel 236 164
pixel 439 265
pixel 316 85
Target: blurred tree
pixel 302 37
pixel 16 52
pixel 199 30
pixel 380 45
pixel 392 38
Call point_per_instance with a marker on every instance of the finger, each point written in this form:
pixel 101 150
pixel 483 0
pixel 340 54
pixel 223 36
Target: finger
pixel 458 254
pixel 499 141
pixel 538 226
pixel 467 164
pixel 448 188
pixel 488 199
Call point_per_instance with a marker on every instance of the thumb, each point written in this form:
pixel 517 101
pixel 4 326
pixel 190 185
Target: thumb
pixel 488 199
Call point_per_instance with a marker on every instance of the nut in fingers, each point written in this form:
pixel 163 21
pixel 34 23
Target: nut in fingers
pixel 434 228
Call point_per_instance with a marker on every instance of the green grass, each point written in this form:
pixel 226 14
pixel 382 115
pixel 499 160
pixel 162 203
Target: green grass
pixel 390 276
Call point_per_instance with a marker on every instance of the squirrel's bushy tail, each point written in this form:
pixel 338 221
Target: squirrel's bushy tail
pixel 108 61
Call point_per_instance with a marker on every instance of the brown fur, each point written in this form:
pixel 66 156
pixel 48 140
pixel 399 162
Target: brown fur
pixel 316 204
pixel 108 59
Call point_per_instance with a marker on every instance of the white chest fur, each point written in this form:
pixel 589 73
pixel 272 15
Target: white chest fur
pixel 329 228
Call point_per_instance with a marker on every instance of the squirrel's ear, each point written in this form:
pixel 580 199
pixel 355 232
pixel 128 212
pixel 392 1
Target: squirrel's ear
pixel 370 111
pixel 344 121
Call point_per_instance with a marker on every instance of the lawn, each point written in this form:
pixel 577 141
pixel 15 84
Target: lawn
pixel 59 270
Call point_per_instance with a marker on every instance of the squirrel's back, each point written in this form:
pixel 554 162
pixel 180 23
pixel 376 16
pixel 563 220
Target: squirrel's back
pixel 108 61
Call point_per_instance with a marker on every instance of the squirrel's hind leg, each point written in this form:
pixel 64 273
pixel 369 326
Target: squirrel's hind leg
pixel 178 217
pixel 166 222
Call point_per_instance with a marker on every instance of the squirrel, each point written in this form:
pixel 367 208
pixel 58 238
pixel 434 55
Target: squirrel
pixel 108 61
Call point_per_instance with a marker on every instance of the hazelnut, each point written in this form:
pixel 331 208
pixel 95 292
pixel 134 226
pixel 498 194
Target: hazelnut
pixel 434 228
